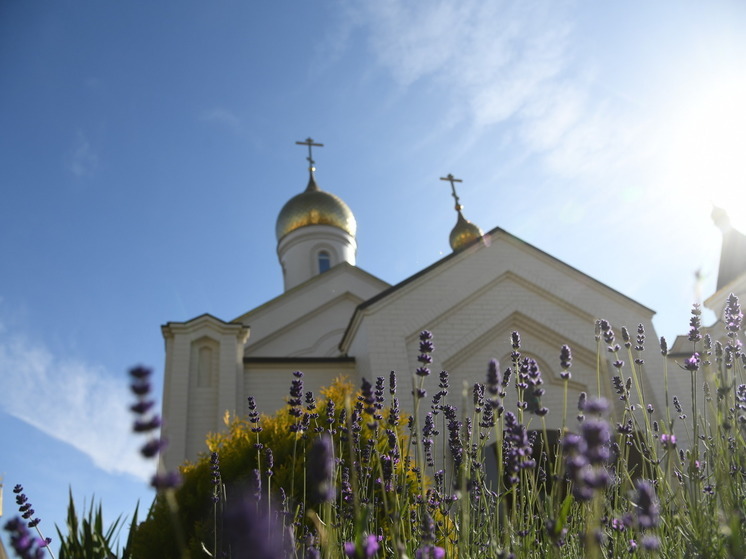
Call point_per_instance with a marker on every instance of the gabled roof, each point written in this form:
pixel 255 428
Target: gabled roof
pixel 205 320
pixel 339 269
pixel 475 246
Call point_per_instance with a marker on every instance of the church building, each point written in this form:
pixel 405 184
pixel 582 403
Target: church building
pixel 334 318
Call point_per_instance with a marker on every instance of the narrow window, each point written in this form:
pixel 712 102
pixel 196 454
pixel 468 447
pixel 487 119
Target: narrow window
pixel 325 261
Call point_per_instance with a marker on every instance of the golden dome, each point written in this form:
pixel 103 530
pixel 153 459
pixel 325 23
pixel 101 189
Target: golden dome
pixel 314 207
pixel 463 233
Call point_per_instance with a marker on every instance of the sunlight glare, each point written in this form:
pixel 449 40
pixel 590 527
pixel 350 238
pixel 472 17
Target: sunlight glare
pixel 707 162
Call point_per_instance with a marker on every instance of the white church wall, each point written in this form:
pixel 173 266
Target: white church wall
pixel 201 382
pixel 270 382
pixel 298 252
pixel 471 302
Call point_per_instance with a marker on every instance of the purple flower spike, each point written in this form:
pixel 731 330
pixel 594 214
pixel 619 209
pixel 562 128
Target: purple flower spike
pixel 692 364
pixel 426 348
pixel 151 448
pixel 651 543
pixel 23 543
pixel 255 535
pixel 430 552
pixel 321 470
pixel 370 547
pixel 596 406
pixel 254 415
pixel 24 507
pixel 733 315
pixel 648 515
pixel 166 480
pixel 695 323
pixel 147 425
pixel 515 339
pixel 140 372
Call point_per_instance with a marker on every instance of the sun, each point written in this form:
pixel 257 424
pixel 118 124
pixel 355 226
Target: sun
pixel 707 161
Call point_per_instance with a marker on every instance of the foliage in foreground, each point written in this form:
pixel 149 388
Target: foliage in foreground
pixel 342 479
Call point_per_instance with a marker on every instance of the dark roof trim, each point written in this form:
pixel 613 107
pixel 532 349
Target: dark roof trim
pixel 204 314
pixel 317 278
pixel 309 360
pixel 492 232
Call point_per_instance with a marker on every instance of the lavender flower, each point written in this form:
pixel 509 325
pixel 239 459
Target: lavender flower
pixel 367 549
pixel 626 338
pixel 692 363
pixel 369 401
pixel 619 387
pixel 494 386
pixel 270 460
pixel 321 470
pixel 640 338
pixel 565 361
pixel 165 480
pixel 650 543
pixel 695 323
pixel 331 413
pixel 144 423
pixel 428 432
pixel 587 454
pixel 732 315
pixel 664 346
pixel 24 507
pixel 248 532
pixel 379 399
pixel 425 358
pixel 515 338
pixel 582 400
pixel 596 406
pixel 23 542
pixel 430 551
pixel 493 377
pixel 296 394
pixel 216 482
pixel 606 331
pixel 646 505
pixel 518 448
pixel 254 415
pixel 455 444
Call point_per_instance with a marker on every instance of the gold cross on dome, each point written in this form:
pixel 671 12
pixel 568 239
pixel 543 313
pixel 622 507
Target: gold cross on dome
pixel 309 142
pixel 450 178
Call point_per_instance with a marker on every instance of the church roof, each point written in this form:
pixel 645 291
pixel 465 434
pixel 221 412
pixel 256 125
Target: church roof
pixel 476 244
pixel 341 268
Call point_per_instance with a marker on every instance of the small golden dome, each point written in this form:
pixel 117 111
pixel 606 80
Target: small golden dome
pixel 463 233
pixel 314 207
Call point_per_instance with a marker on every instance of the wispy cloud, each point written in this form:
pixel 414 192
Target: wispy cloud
pixel 72 401
pixel 222 117
pixel 83 159
pixel 505 62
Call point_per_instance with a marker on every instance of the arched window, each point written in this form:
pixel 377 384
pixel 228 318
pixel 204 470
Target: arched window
pixel 325 261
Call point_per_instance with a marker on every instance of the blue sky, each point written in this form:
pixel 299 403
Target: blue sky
pixel 147 147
